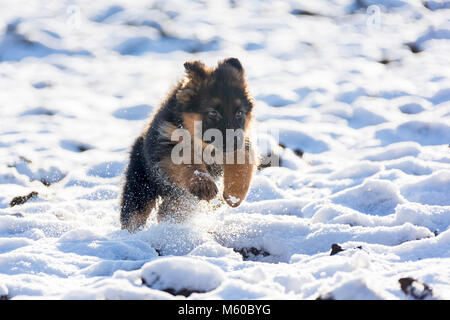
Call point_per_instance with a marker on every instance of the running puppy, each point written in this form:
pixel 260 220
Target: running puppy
pixel 207 98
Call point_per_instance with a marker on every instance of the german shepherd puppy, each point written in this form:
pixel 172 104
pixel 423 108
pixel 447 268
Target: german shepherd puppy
pixel 217 98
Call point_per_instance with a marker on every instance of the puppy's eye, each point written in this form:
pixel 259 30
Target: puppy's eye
pixel 239 114
pixel 213 114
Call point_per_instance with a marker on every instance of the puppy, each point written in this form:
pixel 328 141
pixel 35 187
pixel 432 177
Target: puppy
pixel 207 100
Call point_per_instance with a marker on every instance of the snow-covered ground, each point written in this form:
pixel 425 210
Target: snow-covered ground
pixel 358 93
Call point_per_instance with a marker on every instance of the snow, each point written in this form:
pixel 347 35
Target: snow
pixel 433 189
pixel 180 273
pixel 351 96
pixel 377 197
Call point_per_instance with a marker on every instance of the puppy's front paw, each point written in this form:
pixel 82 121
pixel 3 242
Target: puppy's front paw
pixel 203 186
pixel 232 201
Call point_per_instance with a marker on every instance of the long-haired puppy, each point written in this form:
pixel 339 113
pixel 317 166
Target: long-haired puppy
pixel 163 175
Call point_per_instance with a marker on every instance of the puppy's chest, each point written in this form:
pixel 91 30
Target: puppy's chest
pixel 215 170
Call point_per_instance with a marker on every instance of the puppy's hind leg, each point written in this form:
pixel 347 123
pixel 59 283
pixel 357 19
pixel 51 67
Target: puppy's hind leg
pixel 133 220
pixel 139 193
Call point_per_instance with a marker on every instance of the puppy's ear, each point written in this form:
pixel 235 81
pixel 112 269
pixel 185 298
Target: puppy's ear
pixel 196 74
pixel 234 62
pixel 195 69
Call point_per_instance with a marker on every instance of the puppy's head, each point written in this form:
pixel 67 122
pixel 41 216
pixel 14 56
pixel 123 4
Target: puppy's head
pixel 217 96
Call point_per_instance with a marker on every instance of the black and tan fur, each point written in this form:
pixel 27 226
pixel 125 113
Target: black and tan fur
pixel 219 98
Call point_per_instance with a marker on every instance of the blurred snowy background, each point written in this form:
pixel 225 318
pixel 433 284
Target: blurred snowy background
pixel 358 90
